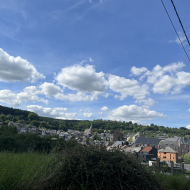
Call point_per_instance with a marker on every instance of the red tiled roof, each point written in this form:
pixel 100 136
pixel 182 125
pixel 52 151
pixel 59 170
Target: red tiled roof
pixel 147 149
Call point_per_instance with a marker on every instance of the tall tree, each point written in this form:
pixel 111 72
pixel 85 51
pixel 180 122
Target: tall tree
pixel 118 135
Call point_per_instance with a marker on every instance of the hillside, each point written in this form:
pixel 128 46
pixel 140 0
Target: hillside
pixel 99 125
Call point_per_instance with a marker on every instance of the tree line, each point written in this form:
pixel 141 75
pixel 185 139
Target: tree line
pixel 99 125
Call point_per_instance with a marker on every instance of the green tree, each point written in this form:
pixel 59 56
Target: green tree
pixel 33 116
pixel 35 123
pixel 2 117
pixel 187 158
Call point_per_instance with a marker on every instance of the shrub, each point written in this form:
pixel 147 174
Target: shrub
pixel 84 168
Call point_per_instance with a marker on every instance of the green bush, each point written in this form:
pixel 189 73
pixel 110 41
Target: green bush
pixel 187 158
pixel 174 182
pixel 90 168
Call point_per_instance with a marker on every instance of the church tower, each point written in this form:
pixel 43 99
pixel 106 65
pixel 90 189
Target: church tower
pixel 91 129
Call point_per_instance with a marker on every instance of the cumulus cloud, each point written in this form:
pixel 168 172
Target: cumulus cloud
pixel 51 112
pixel 83 79
pixel 17 69
pixel 50 89
pixel 104 108
pixel 188 127
pixel 27 95
pixel 76 97
pixel 127 87
pixel 147 103
pixel 189 109
pixel 173 84
pixel 133 113
pixel 88 114
pixel 138 71
pixel 168 79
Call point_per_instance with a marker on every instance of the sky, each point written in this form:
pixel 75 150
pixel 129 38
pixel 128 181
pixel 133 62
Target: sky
pixel 96 59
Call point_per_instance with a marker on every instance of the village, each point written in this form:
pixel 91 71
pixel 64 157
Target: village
pixel 145 149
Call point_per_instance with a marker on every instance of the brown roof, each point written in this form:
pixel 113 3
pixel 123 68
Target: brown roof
pixel 147 149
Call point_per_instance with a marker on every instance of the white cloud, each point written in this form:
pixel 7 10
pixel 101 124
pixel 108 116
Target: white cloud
pixel 60 109
pixel 17 69
pixel 75 97
pixel 189 109
pixel 27 95
pixel 88 114
pixel 50 89
pixel 100 113
pixel 106 95
pixel 127 87
pixel 138 71
pixel 168 79
pixel 83 79
pixel 182 38
pixel 51 112
pixel 9 97
pixel 146 103
pixel 80 110
pixel 173 84
pixel 133 113
pixel 188 127
pixel 104 108
pixel 164 85
pixel 158 71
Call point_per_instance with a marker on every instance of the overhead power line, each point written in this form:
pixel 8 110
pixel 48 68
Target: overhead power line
pixel 175 29
pixel 180 22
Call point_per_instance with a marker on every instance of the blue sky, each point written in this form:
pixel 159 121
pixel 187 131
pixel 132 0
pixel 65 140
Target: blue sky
pixel 99 59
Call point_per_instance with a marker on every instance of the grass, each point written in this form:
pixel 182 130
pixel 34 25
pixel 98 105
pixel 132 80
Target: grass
pixel 18 170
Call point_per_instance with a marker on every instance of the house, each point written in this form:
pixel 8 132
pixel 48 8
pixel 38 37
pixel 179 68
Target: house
pixel 11 123
pixel 53 132
pixel 148 154
pixel 171 142
pixel 179 144
pixel 147 141
pixel 118 144
pixel 17 124
pixel 168 154
pixel 132 150
pixel 184 145
pixel 161 137
pixel 70 131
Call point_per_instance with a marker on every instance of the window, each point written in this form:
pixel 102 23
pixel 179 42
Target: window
pixel 164 156
pixel 164 152
pixel 173 157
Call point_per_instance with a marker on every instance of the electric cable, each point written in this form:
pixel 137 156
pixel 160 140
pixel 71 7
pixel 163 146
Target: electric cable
pixel 175 29
pixel 180 21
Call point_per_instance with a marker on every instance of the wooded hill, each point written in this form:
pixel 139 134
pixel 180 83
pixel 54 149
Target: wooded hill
pixel 99 125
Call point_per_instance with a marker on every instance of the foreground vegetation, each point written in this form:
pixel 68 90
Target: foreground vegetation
pixel 18 170
pixel 82 168
pixel 174 182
